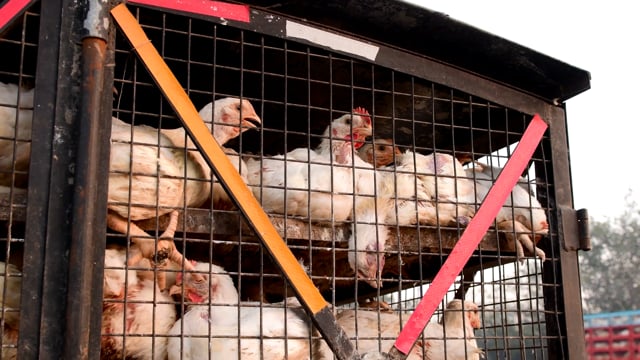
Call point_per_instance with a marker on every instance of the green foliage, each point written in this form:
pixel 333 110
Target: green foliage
pixel 609 273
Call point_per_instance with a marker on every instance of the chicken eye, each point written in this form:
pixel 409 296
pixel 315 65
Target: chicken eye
pixel 381 148
pixel 347 121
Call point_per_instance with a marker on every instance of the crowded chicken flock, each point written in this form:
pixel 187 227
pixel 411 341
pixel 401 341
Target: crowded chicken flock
pixel 347 177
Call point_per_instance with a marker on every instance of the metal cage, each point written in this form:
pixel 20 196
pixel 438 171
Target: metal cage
pixel 299 73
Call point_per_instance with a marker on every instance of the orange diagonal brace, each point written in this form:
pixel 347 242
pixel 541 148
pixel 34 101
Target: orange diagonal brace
pixel 216 157
pixel 309 295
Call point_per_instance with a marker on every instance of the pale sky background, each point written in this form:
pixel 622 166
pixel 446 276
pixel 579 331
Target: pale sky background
pixel 603 123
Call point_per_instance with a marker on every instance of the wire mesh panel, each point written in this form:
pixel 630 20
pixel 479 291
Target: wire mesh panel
pixel 369 173
pixel 18 44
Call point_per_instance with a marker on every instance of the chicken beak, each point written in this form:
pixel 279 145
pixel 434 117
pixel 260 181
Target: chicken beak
pixel 544 226
pixel 374 284
pixel 476 323
pixel 359 136
pixel 251 122
pixel 363 132
pixel 176 290
pixel 369 279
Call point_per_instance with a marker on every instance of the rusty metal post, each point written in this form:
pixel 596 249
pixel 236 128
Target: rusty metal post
pixel 88 232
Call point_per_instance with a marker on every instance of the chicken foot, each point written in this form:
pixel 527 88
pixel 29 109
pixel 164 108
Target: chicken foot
pixel 159 253
pixel 522 238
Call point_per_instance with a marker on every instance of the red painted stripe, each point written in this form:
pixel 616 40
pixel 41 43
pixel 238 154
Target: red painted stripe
pixel 472 235
pixel 203 7
pixel 10 10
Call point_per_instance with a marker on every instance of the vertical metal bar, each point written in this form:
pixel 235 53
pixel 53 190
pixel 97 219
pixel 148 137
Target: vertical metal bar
pixel 46 188
pixel 88 232
pixel 565 272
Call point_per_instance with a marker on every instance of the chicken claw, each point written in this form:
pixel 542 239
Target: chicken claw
pixel 522 236
pixel 158 253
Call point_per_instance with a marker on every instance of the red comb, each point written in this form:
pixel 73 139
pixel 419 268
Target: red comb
pixel 364 112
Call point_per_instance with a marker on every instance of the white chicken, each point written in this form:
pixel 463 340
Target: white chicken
pixel 215 319
pixel 152 173
pixel 455 335
pixel 318 184
pixel 379 153
pixel 418 189
pixel 521 217
pixel 10 288
pixel 136 315
pixel 427 189
pixel 220 198
pixel 16 115
pixel 376 332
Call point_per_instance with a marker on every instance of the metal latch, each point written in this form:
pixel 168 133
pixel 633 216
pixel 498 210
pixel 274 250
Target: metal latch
pixel 576 234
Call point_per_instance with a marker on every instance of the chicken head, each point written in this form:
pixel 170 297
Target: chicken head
pixel 229 117
pixel 379 153
pixel 217 287
pixel 351 128
pixel 455 309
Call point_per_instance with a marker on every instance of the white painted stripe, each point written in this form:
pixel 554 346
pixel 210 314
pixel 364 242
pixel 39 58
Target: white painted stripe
pixel 330 40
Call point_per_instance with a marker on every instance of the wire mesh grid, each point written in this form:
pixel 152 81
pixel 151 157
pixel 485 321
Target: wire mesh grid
pixel 18 44
pixel 296 91
pixel 391 119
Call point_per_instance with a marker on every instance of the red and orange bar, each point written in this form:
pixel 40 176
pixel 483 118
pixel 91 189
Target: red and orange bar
pixel 202 7
pixel 11 9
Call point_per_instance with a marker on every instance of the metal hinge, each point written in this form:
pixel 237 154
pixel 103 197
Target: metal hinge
pixel 575 229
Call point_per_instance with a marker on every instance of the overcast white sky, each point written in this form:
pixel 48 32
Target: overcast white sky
pixel 603 122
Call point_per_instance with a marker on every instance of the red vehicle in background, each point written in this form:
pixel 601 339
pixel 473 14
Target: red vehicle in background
pixel 613 335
